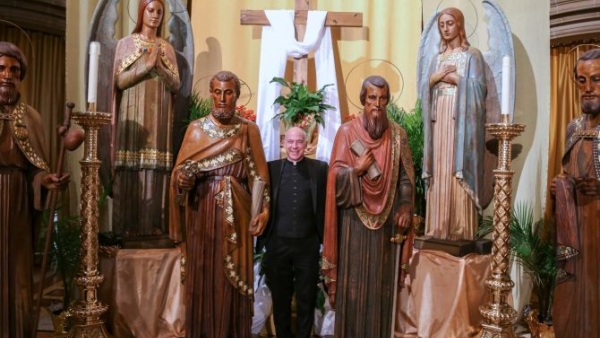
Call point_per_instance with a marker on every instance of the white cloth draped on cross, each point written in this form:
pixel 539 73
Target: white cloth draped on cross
pixel 278 42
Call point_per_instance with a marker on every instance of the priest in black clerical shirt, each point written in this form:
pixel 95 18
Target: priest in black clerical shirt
pixel 294 233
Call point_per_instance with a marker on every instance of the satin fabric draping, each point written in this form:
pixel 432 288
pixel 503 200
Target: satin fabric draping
pixel 277 44
pixel 143 290
pixel 444 295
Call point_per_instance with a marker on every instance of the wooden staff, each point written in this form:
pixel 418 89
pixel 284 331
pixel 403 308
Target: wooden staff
pixel 51 202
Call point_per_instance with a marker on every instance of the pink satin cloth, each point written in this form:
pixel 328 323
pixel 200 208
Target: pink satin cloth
pixel 445 295
pixel 143 290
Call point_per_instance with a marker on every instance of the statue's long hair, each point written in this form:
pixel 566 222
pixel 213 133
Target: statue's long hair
pixel 459 19
pixel 140 17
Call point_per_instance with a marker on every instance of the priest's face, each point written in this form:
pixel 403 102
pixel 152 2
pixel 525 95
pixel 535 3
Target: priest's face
pixel 10 80
pixel 153 14
pixel 224 99
pixel 588 81
pixel 375 118
pixel 295 144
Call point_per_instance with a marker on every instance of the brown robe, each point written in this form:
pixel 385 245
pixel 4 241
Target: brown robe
pixel 216 217
pixel 22 168
pixel 359 260
pixel 576 308
pixel 142 150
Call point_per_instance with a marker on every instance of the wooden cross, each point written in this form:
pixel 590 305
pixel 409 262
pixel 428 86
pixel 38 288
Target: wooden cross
pixel 334 19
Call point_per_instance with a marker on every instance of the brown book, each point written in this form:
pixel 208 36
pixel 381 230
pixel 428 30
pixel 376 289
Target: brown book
pixel 258 189
pixel 358 148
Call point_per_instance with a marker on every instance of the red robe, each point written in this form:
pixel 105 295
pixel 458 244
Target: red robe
pixel 359 259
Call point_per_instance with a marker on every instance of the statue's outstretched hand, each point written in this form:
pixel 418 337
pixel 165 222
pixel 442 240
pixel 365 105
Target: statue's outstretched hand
pixel 55 182
pixel 588 186
pixel 332 300
pixel 185 181
pixel 363 163
pixel 258 223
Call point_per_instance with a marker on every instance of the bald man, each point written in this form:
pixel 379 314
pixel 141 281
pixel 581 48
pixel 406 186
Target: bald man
pixel 294 234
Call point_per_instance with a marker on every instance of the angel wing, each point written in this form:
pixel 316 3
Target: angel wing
pixel 428 50
pixel 182 40
pixel 180 37
pixel 500 43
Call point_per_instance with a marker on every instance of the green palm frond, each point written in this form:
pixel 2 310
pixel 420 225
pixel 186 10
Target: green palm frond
pixel 199 107
pixel 537 255
pixel 65 249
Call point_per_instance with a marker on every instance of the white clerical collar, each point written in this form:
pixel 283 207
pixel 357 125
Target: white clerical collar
pixel 295 162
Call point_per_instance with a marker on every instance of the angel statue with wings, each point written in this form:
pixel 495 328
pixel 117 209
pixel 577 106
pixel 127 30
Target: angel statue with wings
pixel 147 92
pixel 459 95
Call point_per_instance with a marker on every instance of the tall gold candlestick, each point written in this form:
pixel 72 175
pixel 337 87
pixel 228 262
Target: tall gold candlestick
pixel 88 310
pixel 498 314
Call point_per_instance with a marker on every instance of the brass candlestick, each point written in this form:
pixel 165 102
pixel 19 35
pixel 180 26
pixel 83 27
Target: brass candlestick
pixel 498 314
pixel 88 310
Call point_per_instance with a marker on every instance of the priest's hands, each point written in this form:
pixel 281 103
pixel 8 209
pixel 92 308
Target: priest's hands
pixel 55 182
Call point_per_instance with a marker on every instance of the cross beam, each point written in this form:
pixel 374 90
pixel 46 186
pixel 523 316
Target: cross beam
pixel 333 19
pixel 337 19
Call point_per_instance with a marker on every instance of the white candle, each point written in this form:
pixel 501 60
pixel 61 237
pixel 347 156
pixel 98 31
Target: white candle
pixel 93 72
pixel 505 84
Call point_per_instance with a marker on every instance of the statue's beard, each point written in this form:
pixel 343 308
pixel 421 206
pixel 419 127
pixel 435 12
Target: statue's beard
pixel 591 107
pixel 375 125
pixel 222 114
pixel 8 95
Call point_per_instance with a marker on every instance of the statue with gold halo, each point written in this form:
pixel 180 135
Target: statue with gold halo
pixel 459 91
pixel 148 94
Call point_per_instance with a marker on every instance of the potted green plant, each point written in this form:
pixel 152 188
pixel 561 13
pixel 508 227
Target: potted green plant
pixel 199 107
pixel 302 107
pixel 64 257
pixel 532 248
pixel 412 122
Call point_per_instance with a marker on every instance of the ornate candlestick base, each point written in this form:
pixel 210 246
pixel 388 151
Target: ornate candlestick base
pixel 88 310
pixel 498 314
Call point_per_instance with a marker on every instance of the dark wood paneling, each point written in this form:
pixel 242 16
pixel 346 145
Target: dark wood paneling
pixel 574 19
pixel 47 16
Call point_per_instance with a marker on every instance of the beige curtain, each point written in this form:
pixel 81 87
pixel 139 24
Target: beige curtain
pixel 564 104
pixel 44 86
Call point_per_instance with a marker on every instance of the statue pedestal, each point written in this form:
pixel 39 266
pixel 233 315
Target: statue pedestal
pixel 444 297
pixel 148 242
pixel 144 290
pixel 457 248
